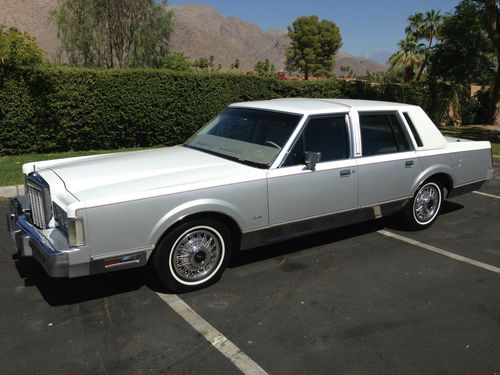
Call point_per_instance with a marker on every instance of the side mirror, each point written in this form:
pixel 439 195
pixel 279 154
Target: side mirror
pixel 312 158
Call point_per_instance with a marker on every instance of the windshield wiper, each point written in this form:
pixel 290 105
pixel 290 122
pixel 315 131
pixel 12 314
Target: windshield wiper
pixel 229 157
pixel 253 163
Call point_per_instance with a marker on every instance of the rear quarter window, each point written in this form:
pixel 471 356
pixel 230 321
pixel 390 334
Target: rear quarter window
pixel 413 129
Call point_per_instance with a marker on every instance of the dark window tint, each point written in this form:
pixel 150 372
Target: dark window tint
pixel 327 135
pixel 382 134
pixel 413 130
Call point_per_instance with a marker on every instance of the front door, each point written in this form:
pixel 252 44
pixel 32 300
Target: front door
pixel 297 193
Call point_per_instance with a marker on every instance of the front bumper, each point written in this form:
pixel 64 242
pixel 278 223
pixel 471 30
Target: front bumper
pixel 30 242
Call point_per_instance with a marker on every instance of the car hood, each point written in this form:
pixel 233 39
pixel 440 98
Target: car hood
pixel 165 170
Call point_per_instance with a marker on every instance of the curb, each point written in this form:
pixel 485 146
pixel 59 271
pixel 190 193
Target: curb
pixel 11 191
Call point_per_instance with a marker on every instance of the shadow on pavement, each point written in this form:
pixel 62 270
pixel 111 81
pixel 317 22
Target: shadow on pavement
pixel 393 222
pixel 449 207
pixel 63 291
pixel 70 291
pixel 323 238
pixel 302 243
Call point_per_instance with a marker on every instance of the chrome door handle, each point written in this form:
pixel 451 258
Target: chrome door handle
pixel 409 164
pixel 345 173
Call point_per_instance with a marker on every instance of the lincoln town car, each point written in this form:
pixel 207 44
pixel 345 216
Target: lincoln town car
pixel 259 172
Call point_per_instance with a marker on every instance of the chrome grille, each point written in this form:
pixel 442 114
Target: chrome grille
pixel 41 204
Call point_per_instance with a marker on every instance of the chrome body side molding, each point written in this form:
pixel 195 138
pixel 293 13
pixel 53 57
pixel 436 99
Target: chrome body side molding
pixel 297 228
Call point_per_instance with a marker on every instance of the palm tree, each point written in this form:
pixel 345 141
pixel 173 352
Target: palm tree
pixel 409 56
pixel 429 31
pixel 415 24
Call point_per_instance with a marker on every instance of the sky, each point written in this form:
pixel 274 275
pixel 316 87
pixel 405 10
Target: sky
pixel 366 26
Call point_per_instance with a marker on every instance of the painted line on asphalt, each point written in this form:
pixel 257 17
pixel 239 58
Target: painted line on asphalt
pixel 486 194
pixel 440 251
pixel 214 337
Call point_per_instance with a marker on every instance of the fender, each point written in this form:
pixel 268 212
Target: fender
pixel 431 171
pixel 194 207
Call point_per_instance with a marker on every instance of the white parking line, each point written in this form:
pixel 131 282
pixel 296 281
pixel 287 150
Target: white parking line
pixel 486 194
pixel 214 337
pixel 441 251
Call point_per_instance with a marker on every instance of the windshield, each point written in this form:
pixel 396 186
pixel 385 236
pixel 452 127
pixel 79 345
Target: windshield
pixel 249 136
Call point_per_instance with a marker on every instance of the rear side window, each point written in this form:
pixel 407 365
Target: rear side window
pixel 327 135
pixel 413 130
pixel 382 134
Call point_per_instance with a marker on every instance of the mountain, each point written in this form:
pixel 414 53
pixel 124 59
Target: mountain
pixel 199 31
pixel 32 16
pixel 378 56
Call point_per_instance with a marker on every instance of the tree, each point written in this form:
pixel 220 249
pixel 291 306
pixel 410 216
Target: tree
pixel 422 27
pixel 207 65
pixel 18 49
pixel 176 61
pixel 492 20
pixel 428 30
pixel 464 53
pixel 201 64
pixel 236 64
pixel 346 71
pixel 211 65
pixel 265 68
pixel 313 46
pixel 113 33
pixel 415 24
pixel 409 56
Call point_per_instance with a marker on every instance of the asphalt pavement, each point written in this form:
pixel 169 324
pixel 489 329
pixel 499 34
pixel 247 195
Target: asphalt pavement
pixel 348 301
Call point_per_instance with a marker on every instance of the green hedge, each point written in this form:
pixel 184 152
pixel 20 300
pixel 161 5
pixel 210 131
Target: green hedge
pixel 60 109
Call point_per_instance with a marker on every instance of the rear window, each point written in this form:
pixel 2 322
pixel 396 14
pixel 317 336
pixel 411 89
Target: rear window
pixel 413 130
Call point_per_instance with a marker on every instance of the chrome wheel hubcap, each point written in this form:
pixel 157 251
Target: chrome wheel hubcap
pixel 196 255
pixel 427 203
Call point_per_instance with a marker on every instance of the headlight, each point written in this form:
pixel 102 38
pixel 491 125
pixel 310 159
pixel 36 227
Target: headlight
pixel 76 235
pixel 61 218
pixel 72 227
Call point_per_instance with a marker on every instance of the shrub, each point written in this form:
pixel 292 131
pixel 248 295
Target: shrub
pixel 60 109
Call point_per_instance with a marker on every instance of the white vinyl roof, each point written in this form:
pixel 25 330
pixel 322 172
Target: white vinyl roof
pixel 317 106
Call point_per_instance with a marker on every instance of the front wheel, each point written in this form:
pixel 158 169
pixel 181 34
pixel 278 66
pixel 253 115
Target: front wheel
pixel 193 255
pixel 422 210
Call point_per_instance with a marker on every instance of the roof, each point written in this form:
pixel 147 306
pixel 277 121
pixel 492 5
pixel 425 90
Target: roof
pixel 318 106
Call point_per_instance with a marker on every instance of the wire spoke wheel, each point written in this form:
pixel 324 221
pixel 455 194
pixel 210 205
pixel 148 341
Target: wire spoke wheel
pixel 196 254
pixel 193 255
pixel 427 203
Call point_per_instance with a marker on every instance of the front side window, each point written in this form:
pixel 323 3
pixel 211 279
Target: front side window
pixel 327 135
pixel 249 136
pixel 382 134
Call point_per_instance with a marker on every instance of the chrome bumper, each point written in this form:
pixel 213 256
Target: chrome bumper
pixel 30 242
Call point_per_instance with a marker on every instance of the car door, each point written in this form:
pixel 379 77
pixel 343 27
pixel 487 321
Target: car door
pixel 389 164
pixel 297 193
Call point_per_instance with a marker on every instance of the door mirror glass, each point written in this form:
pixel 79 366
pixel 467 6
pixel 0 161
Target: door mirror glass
pixel 312 158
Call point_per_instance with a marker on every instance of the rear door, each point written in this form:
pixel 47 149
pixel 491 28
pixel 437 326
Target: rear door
pixel 389 164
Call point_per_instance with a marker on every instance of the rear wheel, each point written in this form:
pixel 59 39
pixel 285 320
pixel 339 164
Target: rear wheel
pixel 422 210
pixel 193 255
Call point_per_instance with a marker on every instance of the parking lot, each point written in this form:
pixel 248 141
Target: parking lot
pixel 366 299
